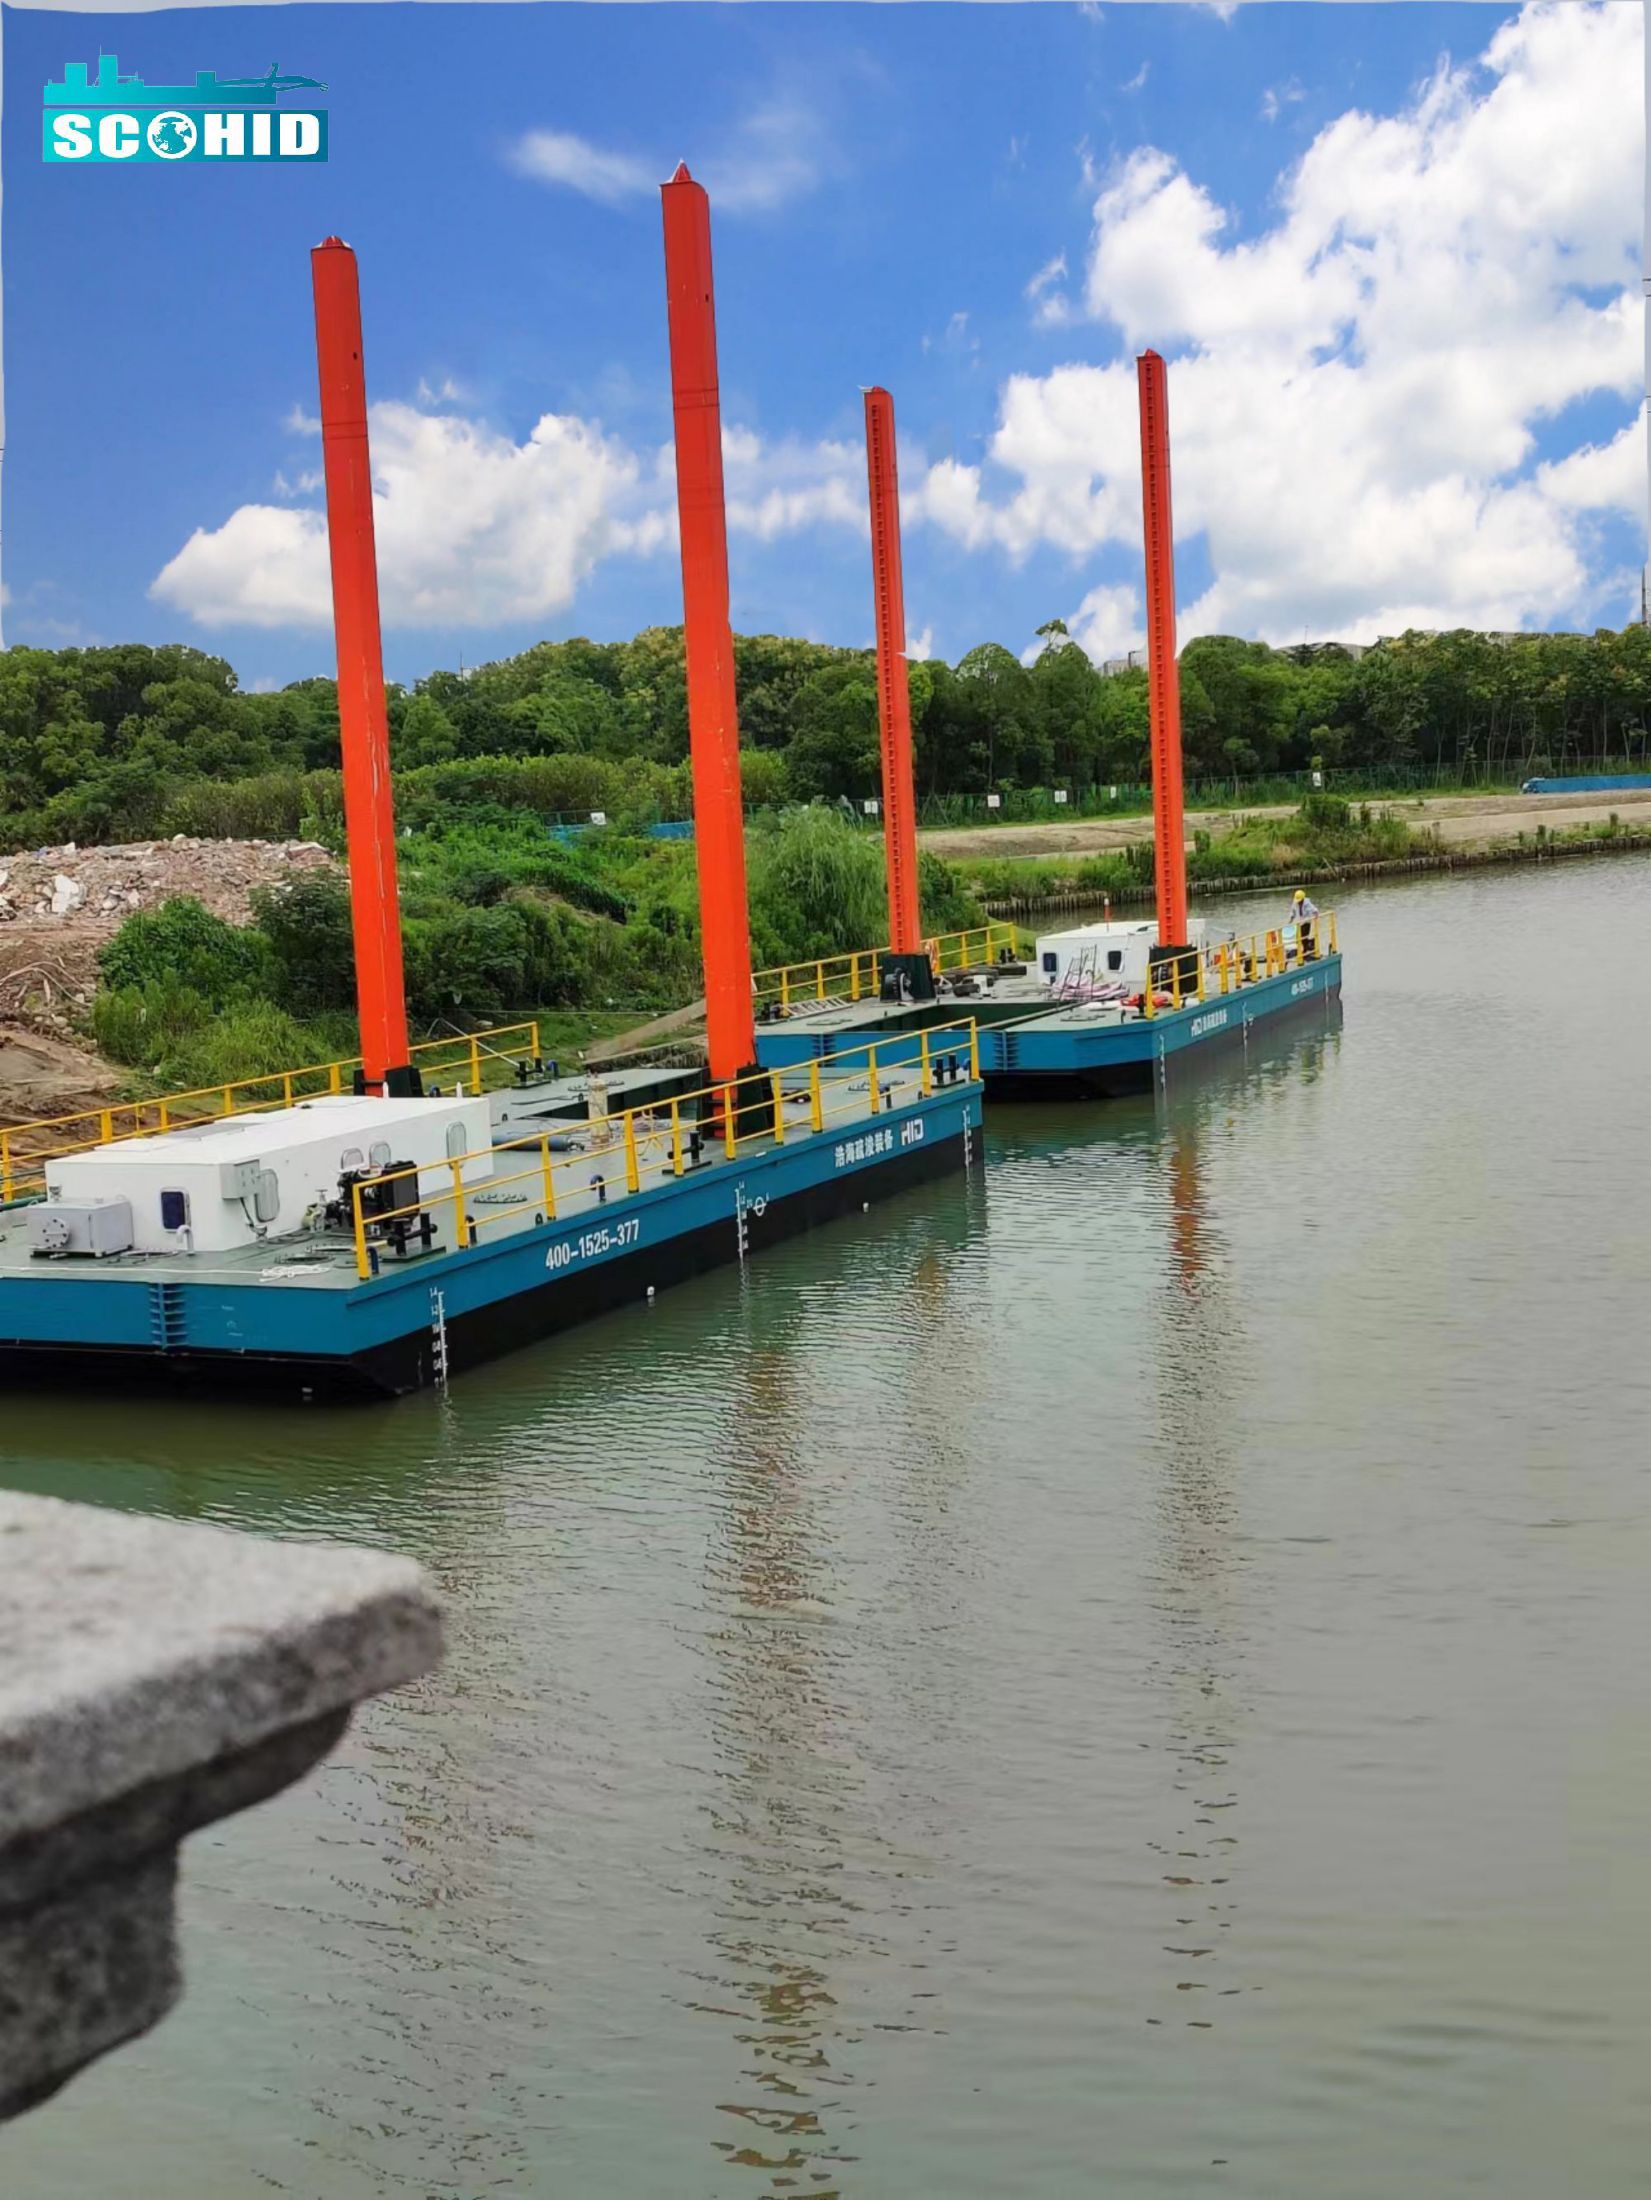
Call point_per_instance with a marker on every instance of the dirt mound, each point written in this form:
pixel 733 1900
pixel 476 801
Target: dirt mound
pixel 41 1076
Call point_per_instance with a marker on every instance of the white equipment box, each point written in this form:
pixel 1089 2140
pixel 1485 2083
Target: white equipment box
pixel 215 1186
pixel 1106 954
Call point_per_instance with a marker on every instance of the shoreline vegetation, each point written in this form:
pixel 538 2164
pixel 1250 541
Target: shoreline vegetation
pixel 1526 849
pixel 1324 843
pixel 536 879
pixel 187 1000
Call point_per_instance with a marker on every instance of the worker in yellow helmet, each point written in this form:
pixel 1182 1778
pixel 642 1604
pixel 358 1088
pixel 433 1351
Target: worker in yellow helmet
pixel 1303 914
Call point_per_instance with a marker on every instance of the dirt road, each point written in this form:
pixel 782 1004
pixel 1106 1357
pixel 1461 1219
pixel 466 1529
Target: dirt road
pixel 1462 820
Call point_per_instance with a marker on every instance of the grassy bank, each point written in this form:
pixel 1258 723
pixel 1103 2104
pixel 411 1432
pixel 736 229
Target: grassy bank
pixel 501 923
pixel 1327 832
pixel 1260 852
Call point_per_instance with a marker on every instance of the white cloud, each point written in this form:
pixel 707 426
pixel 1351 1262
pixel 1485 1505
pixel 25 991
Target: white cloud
pixel 1137 82
pixel 1051 307
pixel 1361 381
pixel 956 336
pixel 472 529
pixel 557 156
pixel 1109 622
pixel 475 529
pixel 1600 477
pixel 1277 97
pixel 920 647
pixel 788 487
pixel 775 154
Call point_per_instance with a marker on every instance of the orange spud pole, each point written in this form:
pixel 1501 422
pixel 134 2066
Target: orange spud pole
pixel 893 685
pixel 713 721
pixel 1163 675
pixel 369 812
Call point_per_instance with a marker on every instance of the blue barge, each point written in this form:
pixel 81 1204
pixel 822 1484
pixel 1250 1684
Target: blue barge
pixel 1088 1051
pixel 419 1272
pixel 1075 1028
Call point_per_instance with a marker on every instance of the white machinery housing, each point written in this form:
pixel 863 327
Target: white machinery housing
pixel 1106 954
pixel 212 1187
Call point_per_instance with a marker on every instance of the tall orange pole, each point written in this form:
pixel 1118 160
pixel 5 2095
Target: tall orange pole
pixel 369 812
pixel 1169 831
pixel 893 686
pixel 713 722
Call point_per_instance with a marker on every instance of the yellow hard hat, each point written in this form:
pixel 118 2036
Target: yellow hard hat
pixel 1300 896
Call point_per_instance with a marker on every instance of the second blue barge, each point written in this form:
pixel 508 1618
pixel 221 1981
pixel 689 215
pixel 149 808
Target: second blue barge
pixel 1088 1023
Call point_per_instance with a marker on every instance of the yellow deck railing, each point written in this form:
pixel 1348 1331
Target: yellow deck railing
pixel 642 1146
pixel 857 977
pixel 1233 963
pixel 479 1059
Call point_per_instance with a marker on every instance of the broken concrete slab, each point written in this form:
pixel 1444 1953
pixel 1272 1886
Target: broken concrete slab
pixel 154 1677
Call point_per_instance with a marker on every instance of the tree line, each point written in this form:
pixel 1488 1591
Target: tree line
pixel 128 741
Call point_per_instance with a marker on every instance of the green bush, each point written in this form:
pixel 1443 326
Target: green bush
pixel 182 945
pixel 816 886
pixel 947 905
pixel 306 929
pixel 1326 813
pixel 139 1025
pixel 273 807
pixel 256 1039
pixel 480 965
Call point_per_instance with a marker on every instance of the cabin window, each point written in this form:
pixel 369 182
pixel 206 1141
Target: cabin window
pixel 350 1158
pixel 378 1153
pixel 455 1141
pixel 1114 958
pixel 1051 961
pixel 267 1200
pixel 174 1210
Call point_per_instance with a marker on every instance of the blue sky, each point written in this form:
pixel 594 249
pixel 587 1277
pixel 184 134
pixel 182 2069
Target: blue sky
pixel 1397 309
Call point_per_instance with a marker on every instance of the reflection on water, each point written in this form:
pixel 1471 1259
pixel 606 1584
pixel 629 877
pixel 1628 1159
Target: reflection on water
pixel 1121 1674
pixel 776 1832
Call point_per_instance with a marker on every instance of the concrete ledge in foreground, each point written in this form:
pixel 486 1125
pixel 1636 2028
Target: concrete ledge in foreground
pixel 154 1677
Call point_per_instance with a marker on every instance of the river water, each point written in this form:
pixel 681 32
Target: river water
pixel 1124 1674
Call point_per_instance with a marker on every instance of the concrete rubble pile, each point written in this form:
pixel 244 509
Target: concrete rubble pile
pixel 59 905
pixel 108 884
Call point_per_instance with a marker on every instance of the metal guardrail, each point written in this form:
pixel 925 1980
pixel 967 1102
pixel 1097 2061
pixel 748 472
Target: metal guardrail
pixel 480 1057
pixel 859 976
pixel 647 1144
pixel 1232 964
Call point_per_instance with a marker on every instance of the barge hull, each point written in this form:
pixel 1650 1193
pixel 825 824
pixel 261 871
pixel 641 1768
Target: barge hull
pixel 385 1338
pixel 1058 1057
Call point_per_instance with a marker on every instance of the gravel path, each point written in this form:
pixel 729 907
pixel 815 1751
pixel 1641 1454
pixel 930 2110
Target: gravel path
pixel 1464 820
